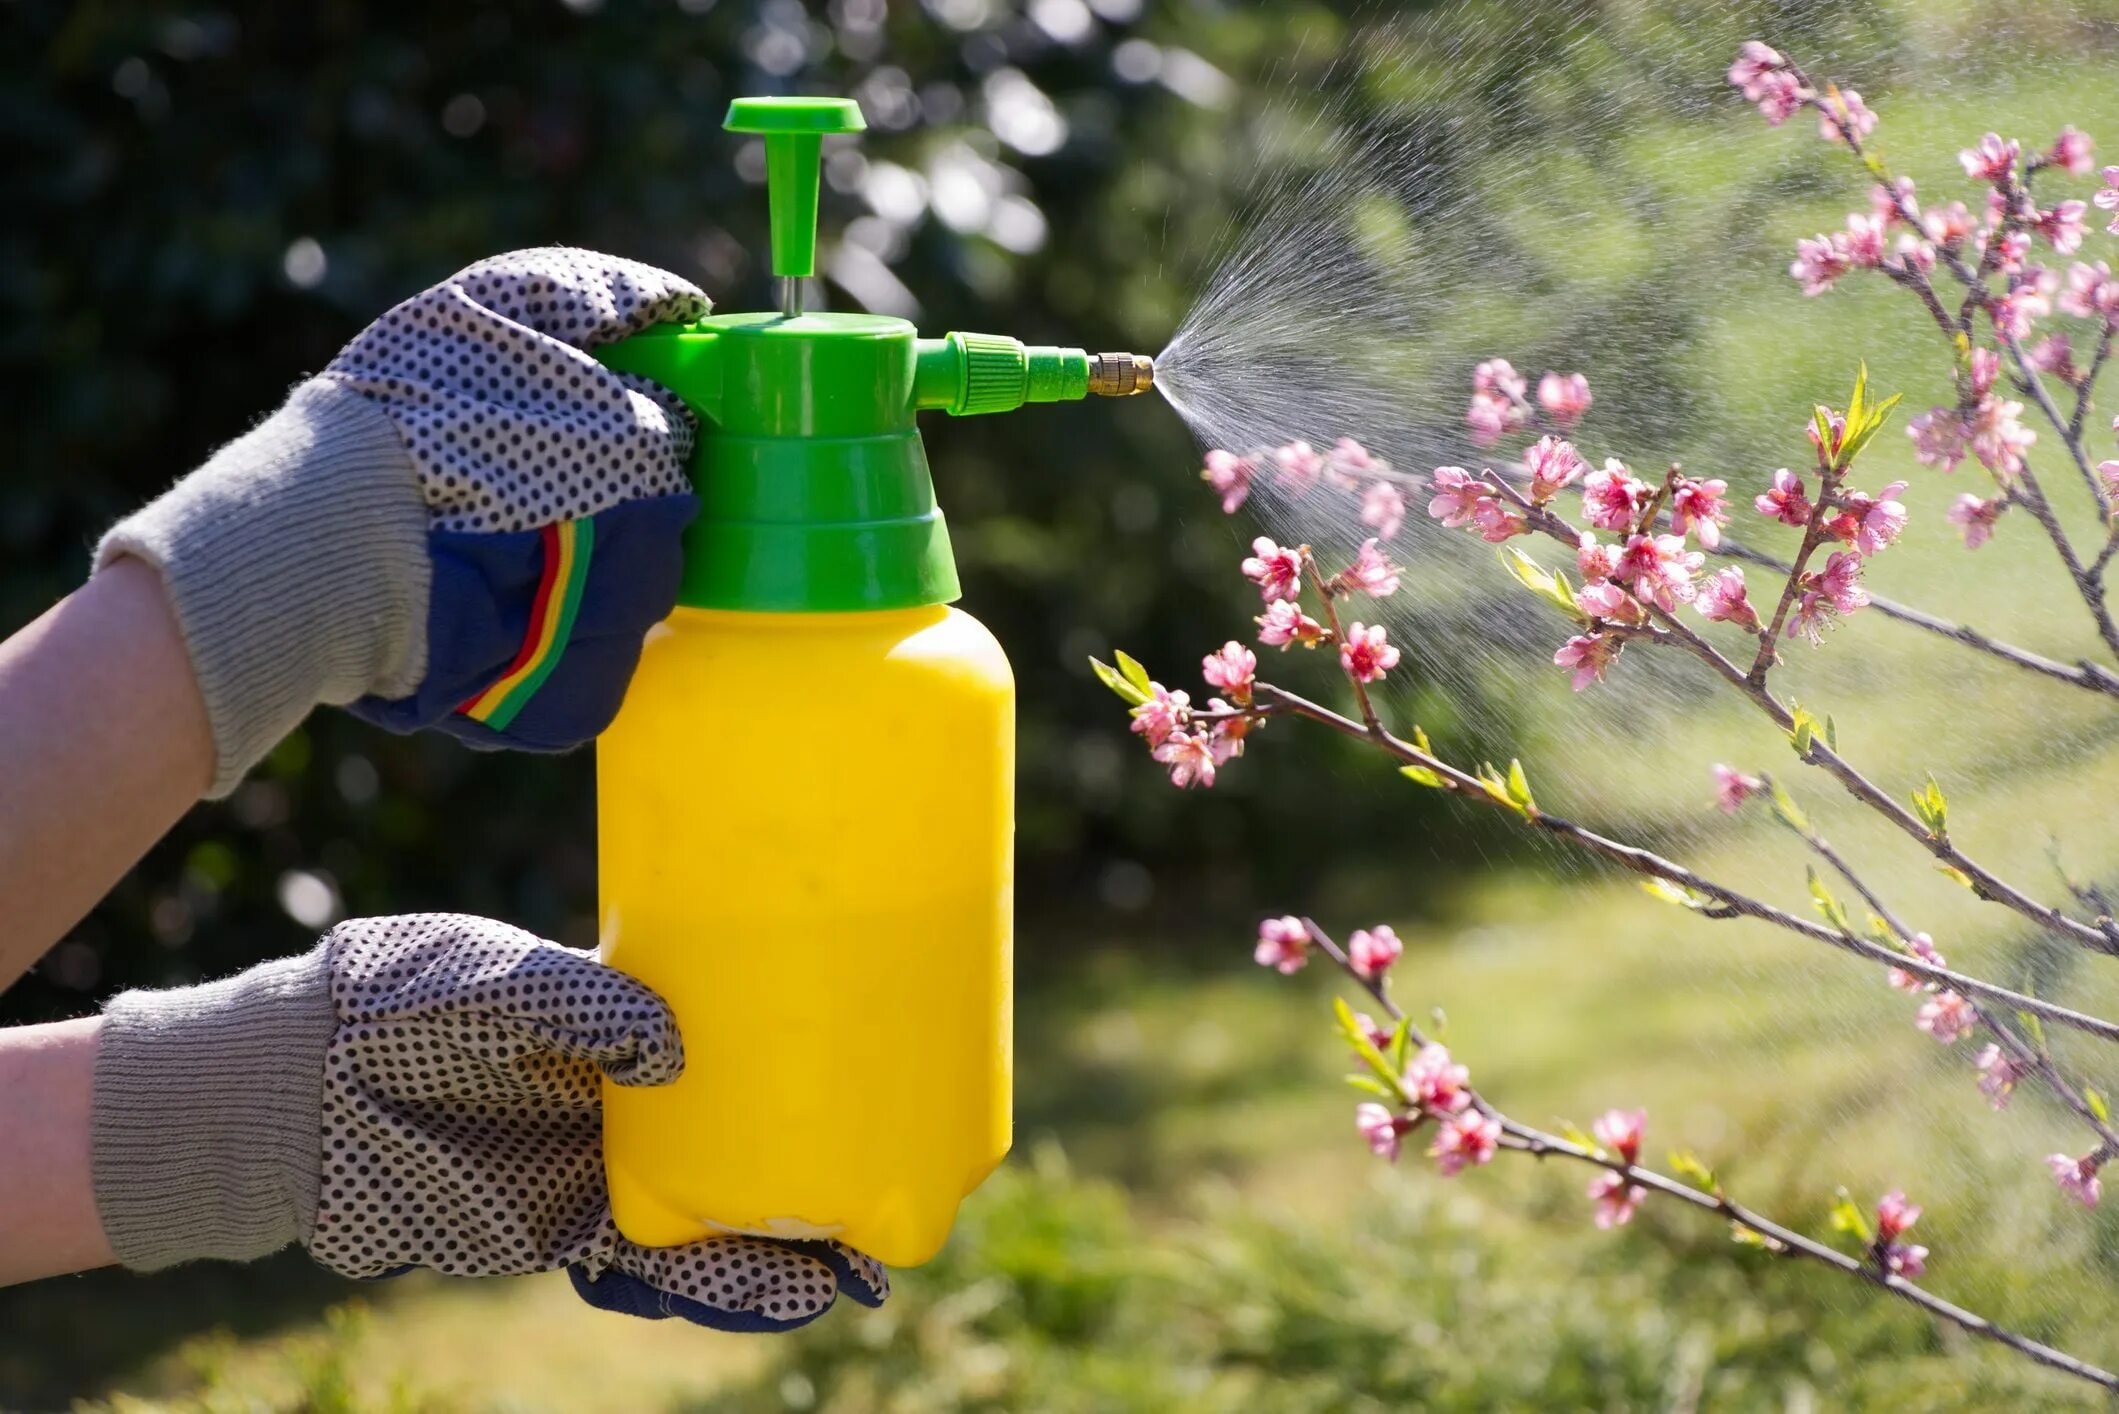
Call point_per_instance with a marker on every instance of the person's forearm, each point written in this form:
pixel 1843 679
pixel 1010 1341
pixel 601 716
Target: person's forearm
pixel 104 743
pixel 48 1223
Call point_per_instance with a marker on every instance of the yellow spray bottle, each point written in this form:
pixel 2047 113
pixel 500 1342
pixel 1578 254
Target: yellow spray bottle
pixel 805 806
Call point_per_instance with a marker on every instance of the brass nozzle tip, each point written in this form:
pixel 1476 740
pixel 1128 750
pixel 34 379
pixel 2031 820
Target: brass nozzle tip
pixel 1120 375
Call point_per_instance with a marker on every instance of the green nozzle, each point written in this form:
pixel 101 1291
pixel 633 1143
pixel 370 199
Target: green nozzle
pixel 794 130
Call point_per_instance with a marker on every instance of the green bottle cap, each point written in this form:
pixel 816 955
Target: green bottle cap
pixel 794 130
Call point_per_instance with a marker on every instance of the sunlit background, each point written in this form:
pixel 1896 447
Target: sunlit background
pixel 1352 205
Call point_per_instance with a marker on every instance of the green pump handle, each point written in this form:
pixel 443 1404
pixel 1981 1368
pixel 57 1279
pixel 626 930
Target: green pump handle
pixel 813 486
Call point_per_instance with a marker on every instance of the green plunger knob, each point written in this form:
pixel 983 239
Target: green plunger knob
pixel 794 130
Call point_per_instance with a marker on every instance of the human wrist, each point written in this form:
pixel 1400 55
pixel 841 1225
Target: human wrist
pixel 206 1121
pixel 295 563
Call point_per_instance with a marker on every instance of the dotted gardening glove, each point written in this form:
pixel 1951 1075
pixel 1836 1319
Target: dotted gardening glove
pixel 463 522
pixel 416 1092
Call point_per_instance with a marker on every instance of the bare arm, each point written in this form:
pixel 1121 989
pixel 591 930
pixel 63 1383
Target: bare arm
pixel 103 745
pixel 48 1223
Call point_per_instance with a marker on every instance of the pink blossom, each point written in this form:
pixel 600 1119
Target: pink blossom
pixel 2077 1177
pixel 1991 160
pixel 1589 654
pixel 1616 1199
pixel 1621 1132
pixel 1378 1034
pixel 1496 521
pixel 1300 465
pixel 1275 569
pixel 1998 438
pixel 1350 461
pixel 1951 225
pixel 1372 572
pixel 1920 945
pixel 1553 464
pixel 1976 517
pixel 1697 506
pixel 1820 263
pixel 1283 944
pixel 1947 1017
pixel 1915 254
pixel 1565 397
pixel 1905 1259
pixel 2091 293
pixel 1466 1138
pixel 1841 582
pixel 2063 226
pixel 2108 198
pixel 1380 1128
pixel 1878 519
pixel 1732 788
pixel 1162 714
pixel 2108 473
pixel 1284 623
pixel 1723 598
pixel 1938 438
pixel 1659 569
pixel 1827 452
pixel 1225 737
pixel 1894 1215
pixel 1780 96
pixel 1753 63
pixel 1367 654
pixel 1983 367
pixel 1613 497
pixel 2016 312
pixel 1190 757
pixel 1457 495
pixel 1884 201
pixel 1998 1075
pixel 2013 250
pixel 1383 509
pixel 1812 616
pixel 1233 670
pixel 2054 354
pixel 1862 243
pixel 1439 1084
pixel 1230 476
pixel 1844 113
pixel 1787 501
pixel 1498 376
pixel 1605 600
pixel 1596 562
pixel 1371 951
pixel 1490 417
pixel 2070 152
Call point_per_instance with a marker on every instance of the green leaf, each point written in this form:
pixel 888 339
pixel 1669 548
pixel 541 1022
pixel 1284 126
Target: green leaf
pixel 1357 1036
pixel 1497 786
pixel 1370 1085
pixel 1828 907
pixel 1831 734
pixel 1951 871
pixel 1401 1043
pixel 1519 787
pixel 1421 775
pixel 1804 728
pixel 1678 894
pixel 2032 1024
pixel 1111 677
pixel 1822 417
pixel 1751 1237
pixel 1932 809
pixel 1134 672
pixel 1572 1133
pixel 1688 1166
pixel 1420 740
pixel 1785 807
pixel 1848 1219
pixel 1549 585
pixel 2097 1105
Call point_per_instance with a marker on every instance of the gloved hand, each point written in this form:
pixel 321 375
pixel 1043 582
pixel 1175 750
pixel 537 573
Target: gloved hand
pixel 463 522
pixel 416 1092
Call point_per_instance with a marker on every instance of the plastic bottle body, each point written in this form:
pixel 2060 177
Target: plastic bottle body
pixel 806 847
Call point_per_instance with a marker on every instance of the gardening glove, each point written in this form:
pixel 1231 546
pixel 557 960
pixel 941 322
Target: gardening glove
pixel 463 522
pixel 416 1092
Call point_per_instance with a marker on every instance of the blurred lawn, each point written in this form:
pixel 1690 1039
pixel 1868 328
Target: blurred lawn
pixel 1191 1222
